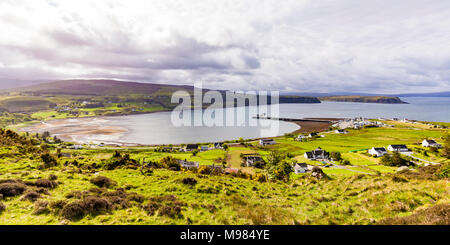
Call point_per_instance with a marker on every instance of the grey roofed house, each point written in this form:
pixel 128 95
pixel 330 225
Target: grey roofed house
pixel 317 154
pixel 64 154
pixel 341 131
pixel 430 143
pixel 191 147
pixel 231 170
pixel 267 142
pixel 312 134
pixel 377 151
pixel 251 159
pixel 187 164
pixel 401 148
pixel 300 168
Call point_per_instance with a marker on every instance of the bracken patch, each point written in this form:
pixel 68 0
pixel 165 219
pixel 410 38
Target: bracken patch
pixel 9 189
pixel 436 215
pixel 102 181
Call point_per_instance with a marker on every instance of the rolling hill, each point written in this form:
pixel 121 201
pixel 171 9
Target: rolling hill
pixel 98 88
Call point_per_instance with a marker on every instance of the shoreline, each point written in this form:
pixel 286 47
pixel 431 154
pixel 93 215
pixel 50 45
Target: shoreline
pixel 72 129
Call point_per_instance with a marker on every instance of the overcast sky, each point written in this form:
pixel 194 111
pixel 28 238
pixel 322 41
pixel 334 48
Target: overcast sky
pixel 385 46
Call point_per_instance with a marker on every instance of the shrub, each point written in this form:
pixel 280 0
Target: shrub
pixel 398 178
pixel 40 207
pixel 189 181
pixel 204 170
pixel 45 183
pixel 261 178
pixel 336 156
pixel 102 181
pixel 12 189
pixel 170 163
pixel 52 177
pixel 118 160
pixel 73 211
pixel 281 171
pixel 135 197
pixel 30 196
pixel 444 171
pixel 396 160
pixel 2 207
pixel 345 162
pixel 58 205
pixel 171 211
pixel 96 205
pixel 152 207
pixel 435 215
pixel 49 160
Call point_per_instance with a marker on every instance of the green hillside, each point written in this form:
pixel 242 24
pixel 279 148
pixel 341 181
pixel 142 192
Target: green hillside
pixel 42 182
pixel 25 104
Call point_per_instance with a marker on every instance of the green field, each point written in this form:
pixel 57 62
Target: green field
pixel 363 192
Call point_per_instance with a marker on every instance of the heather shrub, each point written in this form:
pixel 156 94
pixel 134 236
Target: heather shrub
pixel 102 181
pixel 9 189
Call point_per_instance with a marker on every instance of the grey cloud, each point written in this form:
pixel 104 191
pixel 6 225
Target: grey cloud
pixel 311 46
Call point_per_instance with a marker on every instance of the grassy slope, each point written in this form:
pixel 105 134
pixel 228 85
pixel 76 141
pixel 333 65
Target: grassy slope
pixel 348 198
pixel 343 200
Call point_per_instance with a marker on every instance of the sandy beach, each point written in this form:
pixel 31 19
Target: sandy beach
pixel 82 130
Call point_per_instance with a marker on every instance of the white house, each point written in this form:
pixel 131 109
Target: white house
pixel 317 154
pixel 251 159
pixel 430 143
pixel 378 151
pixel 264 142
pixel 300 168
pixel 300 138
pixel 218 145
pixel 77 147
pixel 341 131
pixel 187 165
pixel 313 134
pixel 398 148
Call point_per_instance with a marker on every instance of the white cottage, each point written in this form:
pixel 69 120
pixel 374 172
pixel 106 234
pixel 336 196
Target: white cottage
pixel 398 148
pixel 378 151
pixel 430 143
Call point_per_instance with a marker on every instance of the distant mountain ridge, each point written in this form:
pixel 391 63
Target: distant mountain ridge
pixel 435 94
pixel 116 88
pixel 365 99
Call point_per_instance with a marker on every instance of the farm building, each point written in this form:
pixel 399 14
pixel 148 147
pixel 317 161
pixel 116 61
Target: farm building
pixel 430 143
pixel 341 131
pixel 300 168
pixel 231 170
pixel 300 138
pixel 312 135
pixel 398 148
pixel 377 151
pixel 191 147
pixel 317 154
pixel 265 142
pixel 251 160
pixel 187 164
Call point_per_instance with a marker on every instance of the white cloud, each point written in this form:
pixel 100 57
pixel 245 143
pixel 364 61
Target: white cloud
pixel 322 46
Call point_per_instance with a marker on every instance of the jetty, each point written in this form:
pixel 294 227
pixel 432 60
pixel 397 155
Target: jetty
pixel 297 119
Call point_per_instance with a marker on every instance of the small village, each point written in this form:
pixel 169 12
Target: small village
pixel 317 157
